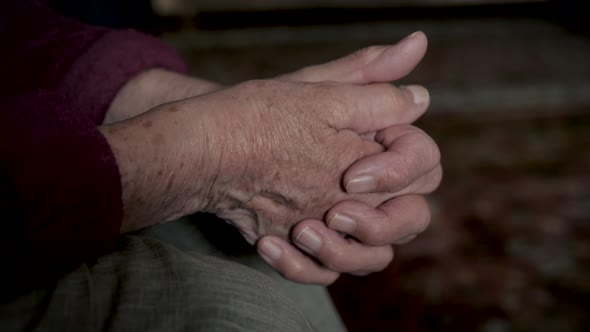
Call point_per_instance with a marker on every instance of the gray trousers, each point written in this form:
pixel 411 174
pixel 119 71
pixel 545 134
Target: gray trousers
pixel 150 286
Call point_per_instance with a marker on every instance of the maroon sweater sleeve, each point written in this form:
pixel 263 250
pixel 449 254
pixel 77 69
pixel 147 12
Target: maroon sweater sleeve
pixel 60 191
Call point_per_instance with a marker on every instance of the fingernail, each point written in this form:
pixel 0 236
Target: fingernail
pixel 411 35
pixel 419 93
pixel 406 239
pixel 362 184
pixel 309 240
pixel 269 251
pixel 342 224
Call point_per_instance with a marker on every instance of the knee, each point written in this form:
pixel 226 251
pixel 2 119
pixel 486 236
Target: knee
pixel 230 296
pixel 194 292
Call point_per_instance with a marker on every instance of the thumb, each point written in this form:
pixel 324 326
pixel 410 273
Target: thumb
pixel 374 64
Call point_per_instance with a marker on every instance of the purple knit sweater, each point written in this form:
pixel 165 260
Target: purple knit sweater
pixel 60 190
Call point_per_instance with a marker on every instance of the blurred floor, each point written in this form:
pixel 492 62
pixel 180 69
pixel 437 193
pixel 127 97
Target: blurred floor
pixel 471 65
pixel 508 249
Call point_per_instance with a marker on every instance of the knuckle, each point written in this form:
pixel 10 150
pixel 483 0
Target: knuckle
pixel 397 177
pixel 413 130
pixel 337 261
pixel 427 151
pixel 377 233
pixel 294 271
pixel 431 149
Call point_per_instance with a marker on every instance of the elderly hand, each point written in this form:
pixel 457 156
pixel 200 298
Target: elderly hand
pixel 262 155
pixel 376 228
pixel 409 168
pixel 414 170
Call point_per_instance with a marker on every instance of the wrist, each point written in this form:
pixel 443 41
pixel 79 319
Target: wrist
pixel 161 160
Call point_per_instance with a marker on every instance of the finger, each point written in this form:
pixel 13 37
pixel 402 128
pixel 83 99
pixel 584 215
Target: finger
pixel 423 185
pixel 338 253
pixel 374 107
pixel 292 263
pixel 410 154
pixel 370 65
pixel 393 222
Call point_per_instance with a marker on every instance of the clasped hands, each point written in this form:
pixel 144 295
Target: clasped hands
pixel 321 168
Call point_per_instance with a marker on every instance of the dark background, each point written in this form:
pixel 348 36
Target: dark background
pixel 508 249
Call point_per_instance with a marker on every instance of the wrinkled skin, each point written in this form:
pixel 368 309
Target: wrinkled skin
pixel 280 149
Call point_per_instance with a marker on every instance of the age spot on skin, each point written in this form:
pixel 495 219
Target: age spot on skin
pixel 170 182
pixel 173 109
pixel 147 124
pixel 160 173
pixel 158 139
